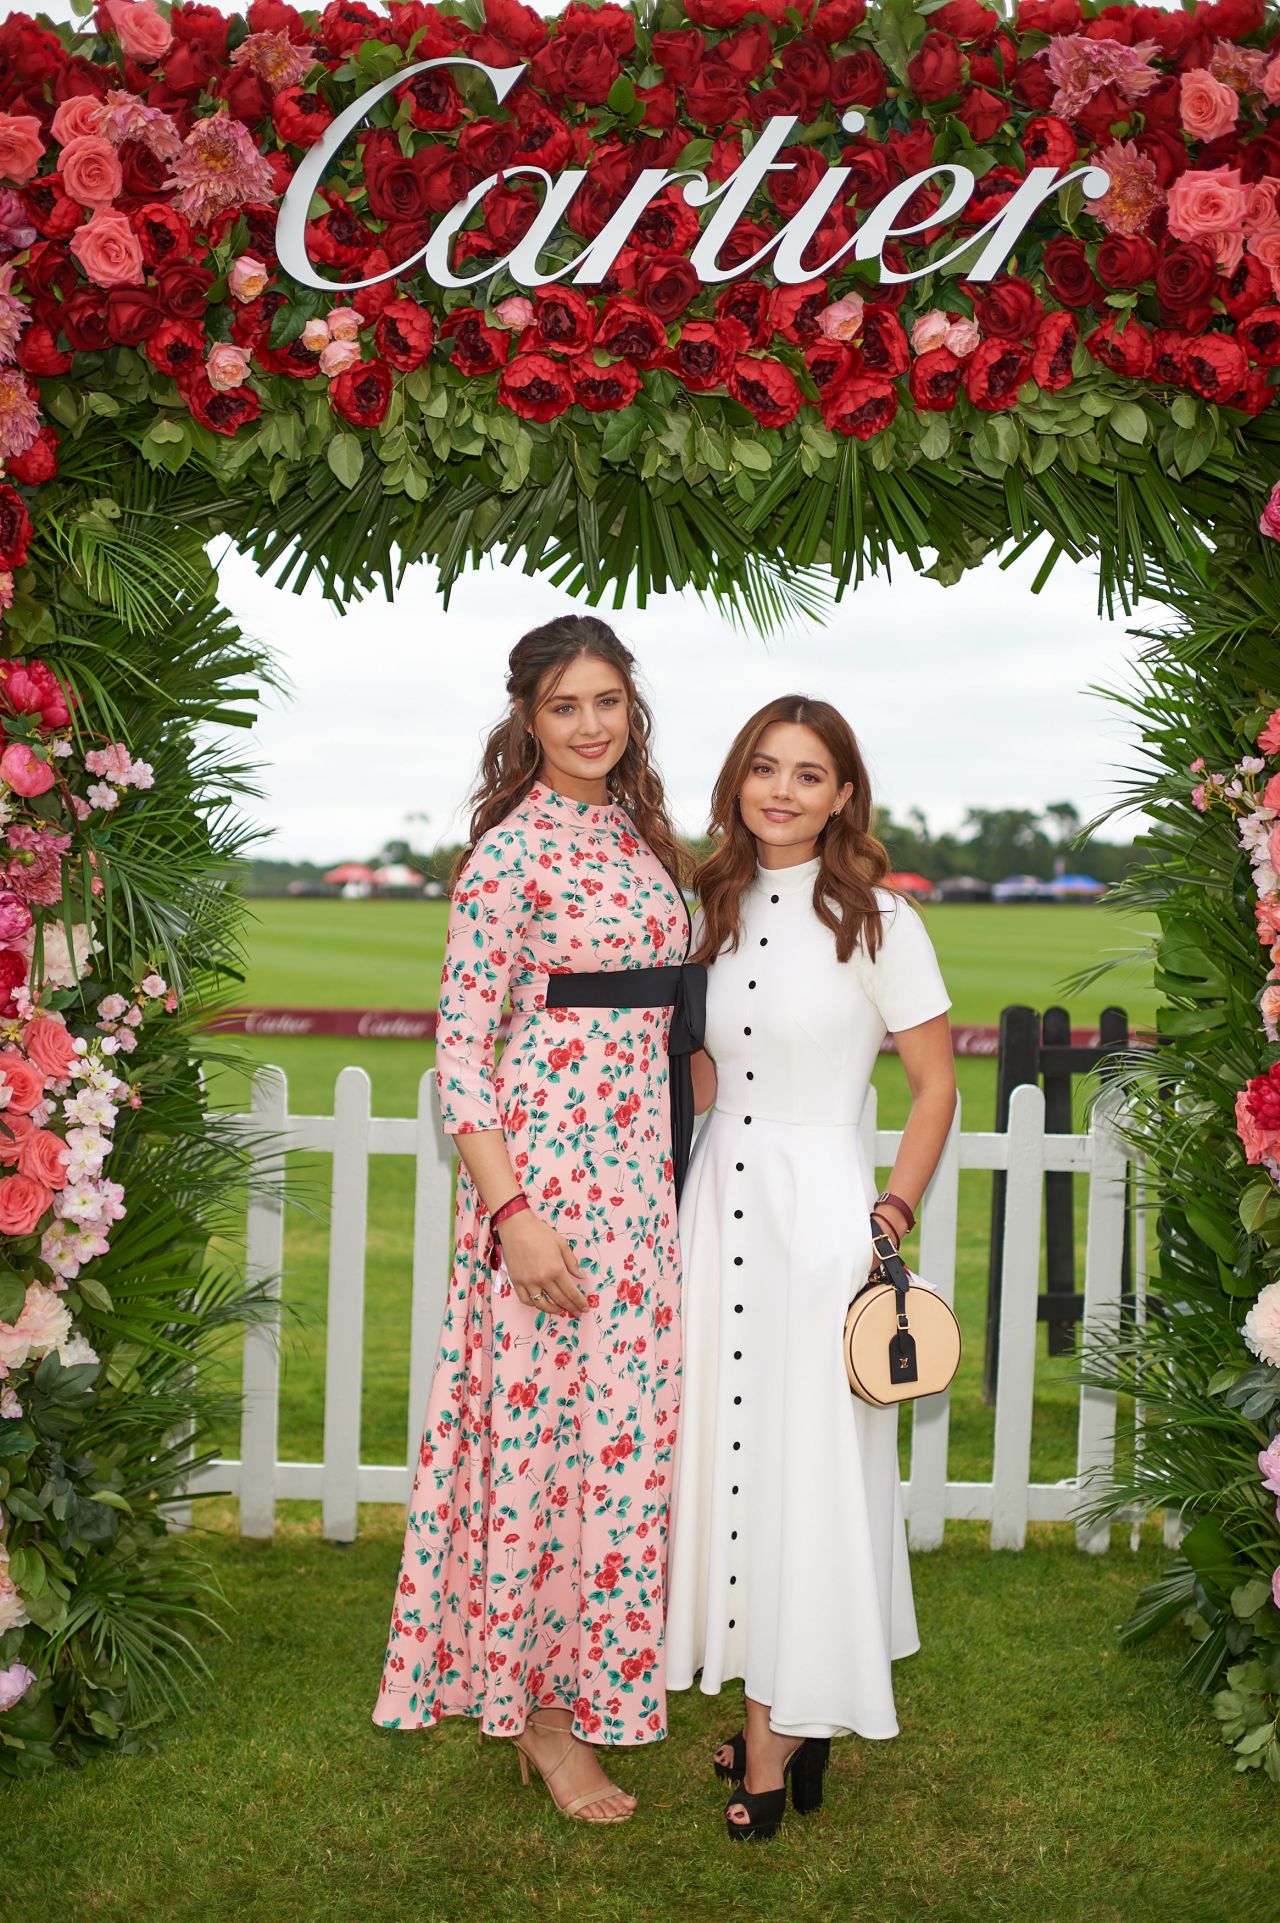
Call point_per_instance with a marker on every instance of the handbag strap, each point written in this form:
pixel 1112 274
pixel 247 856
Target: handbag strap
pixel 892 1266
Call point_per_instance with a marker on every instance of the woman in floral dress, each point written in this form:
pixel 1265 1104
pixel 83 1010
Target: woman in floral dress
pixel 531 1588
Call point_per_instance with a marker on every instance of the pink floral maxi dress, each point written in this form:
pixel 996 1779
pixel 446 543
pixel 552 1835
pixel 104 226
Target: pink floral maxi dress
pixel 535 1553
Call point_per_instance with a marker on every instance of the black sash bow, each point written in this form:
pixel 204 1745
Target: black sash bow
pixel 680 986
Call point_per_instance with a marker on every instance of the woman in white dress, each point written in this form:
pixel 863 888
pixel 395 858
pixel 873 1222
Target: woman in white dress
pixel 788 1560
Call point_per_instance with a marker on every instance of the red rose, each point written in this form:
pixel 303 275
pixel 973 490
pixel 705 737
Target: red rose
pixel 994 372
pixel 1049 16
pixel 299 117
pixel 200 26
pixel 744 241
pixel 274 16
pixel 791 190
pixel 678 52
pixel 37 352
pixel 807 64
pixel 830 362
pixel 983 113
pixel 859 80
pixel 133 314
pixel 397 187
pixel 835 20
pixel 1259 335
pixel 937 69
pixel 1033 84
pixel 486 145
pixel 703 354
pixel 39 462
pixel 1052 349
pixel 143 174
pixel 1123 345
pixel 1008 310
pixel 871 171
pixel 15 528
pixel 748 53
pixel 404 334
pixel 1049 142
pixel 163 234
pixel 614 22
pixel 629 332
pixel 84 321
pixel 563 320
pixel 1070 275
pixel 1257 393
pixel 535 387
pixel 1231 19
pixel 862 406
pixel 590 67
pixel 1216 366
pixel 936 378
pixel 713 95
pixel 768 388
pixel 1257 157
pixel 521 28
pixel 912 147
pixel 477 347
pixel 176 346
pixel 362 394
pixel 883 344
pixel 666 284
pixel 602 389
pixel 183 289
pixel 661 104
pixel 748 303
pixel 1125 260
pixel 1186 280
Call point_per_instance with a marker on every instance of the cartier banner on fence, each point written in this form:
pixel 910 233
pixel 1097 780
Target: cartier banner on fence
pixel 785 250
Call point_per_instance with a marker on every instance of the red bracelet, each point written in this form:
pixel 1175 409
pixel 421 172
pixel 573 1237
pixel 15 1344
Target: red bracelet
pixel 887 1199
pixel 518 1201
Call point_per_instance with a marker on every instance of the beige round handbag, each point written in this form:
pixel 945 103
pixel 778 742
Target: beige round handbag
pixel 900 1340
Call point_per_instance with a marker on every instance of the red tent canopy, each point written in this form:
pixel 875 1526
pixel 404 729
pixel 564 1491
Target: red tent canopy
pixel 909 883
pixel 350 871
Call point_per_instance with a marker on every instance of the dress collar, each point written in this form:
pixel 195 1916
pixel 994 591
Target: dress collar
pixel 594 813
pixel 796 880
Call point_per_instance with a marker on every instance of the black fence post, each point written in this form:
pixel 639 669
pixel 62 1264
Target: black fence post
pixel 1059 1184
pixel 1113 1035
pixel 1016 1064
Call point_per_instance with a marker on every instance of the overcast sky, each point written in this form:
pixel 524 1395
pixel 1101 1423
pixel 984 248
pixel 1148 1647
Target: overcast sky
pixel 963 696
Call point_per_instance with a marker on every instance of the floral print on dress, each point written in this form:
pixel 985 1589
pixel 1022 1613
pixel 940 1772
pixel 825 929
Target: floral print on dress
pixel 534 1558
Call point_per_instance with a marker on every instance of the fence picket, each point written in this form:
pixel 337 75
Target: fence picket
pixel 1095 1451
pixel 1015 1381
pixel 432 1252
pixel 344 1356
pixel 939 1221
pixel 264 1261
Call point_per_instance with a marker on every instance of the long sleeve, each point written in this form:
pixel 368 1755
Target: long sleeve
pixel 906 981
pixel 488 915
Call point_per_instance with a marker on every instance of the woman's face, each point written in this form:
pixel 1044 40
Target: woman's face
pixel 790 792
pixel 581 724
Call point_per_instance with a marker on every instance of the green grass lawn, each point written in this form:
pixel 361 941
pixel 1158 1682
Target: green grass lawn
pixel 1040 1777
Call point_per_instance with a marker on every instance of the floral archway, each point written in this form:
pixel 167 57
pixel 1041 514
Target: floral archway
pixel 762 400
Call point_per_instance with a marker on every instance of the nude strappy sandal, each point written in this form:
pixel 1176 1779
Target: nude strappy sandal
pixel 575 1804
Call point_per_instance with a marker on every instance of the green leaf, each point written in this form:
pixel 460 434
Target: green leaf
pixel 751 454
pixel 621 97
pixel 345 455
pixel 93 1291
pixel 13 1293
pixel 1129 422
pixel 1248 1599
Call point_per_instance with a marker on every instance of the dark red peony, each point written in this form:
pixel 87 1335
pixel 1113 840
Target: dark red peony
pixel 404 334
pixel 1123 345
pixel 768 388
pixel 535 387
pixel 994 372
pixel 15 528
pixel 603 389
pixel 362 394
pixel 936 379
pixel 222 413
pixel 704 353
pixel 861 406
pixel 1053 348
pixel 630 332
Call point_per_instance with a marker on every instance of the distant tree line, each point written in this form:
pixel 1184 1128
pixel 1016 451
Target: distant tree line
pixel 991 843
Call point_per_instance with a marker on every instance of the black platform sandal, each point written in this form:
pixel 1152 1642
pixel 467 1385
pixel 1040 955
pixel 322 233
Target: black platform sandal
pixel 804 1769
pixel 736 1768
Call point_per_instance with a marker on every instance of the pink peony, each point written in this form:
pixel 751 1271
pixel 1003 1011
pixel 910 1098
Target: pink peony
pixel 24 771
pixel 19 415
pixel 227 367
pixel 15 917
pixel 1209 108
pixel 1240 67
pixel 842 320
pixel 1135 193
pixel 248 277
pixel 20 147
pixel 143 33
pixel 90 170
pixel 126 117
pixel 219 168
pixel 13 1612
pixel 1275 1574
pixel 929 330
pixel 82 114
pixel 15 1681
pixel 275 59
pixel 1269 522
pixel 1261 1327
pixel 108 250
pixel 1269 1465
pixel 16 230
pixel 43 1324
pixel 1080 68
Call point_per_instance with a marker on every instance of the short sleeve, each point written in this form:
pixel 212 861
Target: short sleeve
pixel 906 981
pixel 488 915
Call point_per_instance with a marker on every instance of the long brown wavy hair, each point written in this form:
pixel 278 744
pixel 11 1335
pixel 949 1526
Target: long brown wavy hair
pixel 853 863
pixel 512 756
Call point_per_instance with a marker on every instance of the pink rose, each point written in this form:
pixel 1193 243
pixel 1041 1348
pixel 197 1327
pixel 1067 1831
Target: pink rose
pixel 1262 207
pixel 1208 107
pixel 144 35
pixel 14 1130
pixel 1270 524
pixel 90 170
pixel 247 278
pixel 82 114
pixel 1206 205
pixel 22 1204
pixel 315 336
pixel 842 320
pixel 1269 739
pixel 963 337
pixel 43 1156
pixel 15 917
pixel 1269 1008
pixel 108 250
pixel 20 147
pixel 49 1045
pixel 1271 82
pixel 343 323
pixel 515 311
pixel 25 1080
pixel 17 1679
pixel 338 356
pixel 24 771
pixel 930 330
pixel 1266 248
pixel 1271 793
pixel 227 367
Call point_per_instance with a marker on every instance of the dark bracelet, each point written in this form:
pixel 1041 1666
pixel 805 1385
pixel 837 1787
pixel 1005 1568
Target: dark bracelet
pixel 889 1199
pixel 888 1229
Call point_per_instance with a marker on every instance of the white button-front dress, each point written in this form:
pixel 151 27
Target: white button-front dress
pixel 788 1557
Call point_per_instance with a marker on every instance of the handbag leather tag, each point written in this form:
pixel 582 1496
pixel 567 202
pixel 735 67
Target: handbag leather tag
pixel 902 1357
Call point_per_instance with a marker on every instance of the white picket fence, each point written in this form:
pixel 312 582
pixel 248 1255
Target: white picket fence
pixel 352 1134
